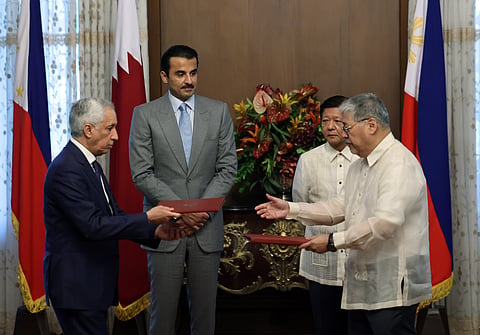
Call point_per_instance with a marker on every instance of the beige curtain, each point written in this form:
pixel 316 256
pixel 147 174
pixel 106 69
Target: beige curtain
pixel 460 36
pixel 78 57
pixel 96 45
pixel 58 18
pixel 463 303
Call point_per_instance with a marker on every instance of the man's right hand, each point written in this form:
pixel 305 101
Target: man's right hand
pixel 276 208
pixel 161 214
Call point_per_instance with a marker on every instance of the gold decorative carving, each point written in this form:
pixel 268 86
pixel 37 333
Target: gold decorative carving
pixel 235 253
pixel 248 267
pixel 283 259
pixel 254 286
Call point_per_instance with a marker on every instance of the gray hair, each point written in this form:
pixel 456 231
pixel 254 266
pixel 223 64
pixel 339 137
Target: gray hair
pixel 366 105
pixel 87 110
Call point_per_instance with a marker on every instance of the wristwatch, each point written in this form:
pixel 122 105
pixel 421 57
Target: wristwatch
pixel 330 244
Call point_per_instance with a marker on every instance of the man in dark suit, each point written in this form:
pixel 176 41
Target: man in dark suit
pixel 172 160
pixel 84 223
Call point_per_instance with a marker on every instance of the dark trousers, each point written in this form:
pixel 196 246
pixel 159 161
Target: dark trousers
pixel 387 321
pixel 82 322
pixel 328 317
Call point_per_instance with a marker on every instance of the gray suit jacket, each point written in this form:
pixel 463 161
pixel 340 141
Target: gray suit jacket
pixel 158 165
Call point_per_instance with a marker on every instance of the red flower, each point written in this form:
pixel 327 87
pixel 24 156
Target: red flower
pixel 277 112
pixel 262 147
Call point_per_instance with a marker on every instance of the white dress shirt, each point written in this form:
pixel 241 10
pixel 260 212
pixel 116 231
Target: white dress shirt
pixel 320 175
pixel 386 217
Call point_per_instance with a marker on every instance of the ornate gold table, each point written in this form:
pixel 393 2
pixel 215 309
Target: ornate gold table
pixel 247 267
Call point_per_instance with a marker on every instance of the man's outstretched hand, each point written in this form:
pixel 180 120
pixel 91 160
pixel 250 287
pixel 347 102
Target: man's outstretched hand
pixel 276 208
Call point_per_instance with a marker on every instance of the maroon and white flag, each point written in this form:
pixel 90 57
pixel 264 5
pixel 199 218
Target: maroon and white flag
pixel 128 91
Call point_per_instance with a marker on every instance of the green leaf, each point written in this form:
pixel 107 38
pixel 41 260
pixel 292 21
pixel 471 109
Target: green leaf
pixel 281 131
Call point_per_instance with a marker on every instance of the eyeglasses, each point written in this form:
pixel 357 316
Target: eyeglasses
pixel 348 129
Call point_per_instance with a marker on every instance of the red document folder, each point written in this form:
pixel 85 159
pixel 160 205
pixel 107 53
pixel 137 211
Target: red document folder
pixel 275 239
pixel 194 205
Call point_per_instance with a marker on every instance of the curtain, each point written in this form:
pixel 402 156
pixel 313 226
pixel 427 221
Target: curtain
pixel 97 20
pixel 78 42
pixel 57 20
pixel 463 303
pixel 96 43
pixel 462 62
pixel 10 297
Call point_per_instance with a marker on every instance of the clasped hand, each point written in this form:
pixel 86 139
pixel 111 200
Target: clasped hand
pixel 180 225
pixel 169 229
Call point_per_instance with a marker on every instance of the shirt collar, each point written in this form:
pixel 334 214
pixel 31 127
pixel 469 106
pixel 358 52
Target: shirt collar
pixel 175 102
pixel 332 153
pixel 379 150
pixel 88 155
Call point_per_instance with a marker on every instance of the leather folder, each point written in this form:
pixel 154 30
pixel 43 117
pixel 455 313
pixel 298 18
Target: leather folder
pixel 194 205
pixel 275 239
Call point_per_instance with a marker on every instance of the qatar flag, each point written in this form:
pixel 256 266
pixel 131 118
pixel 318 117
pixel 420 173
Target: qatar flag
pixel 31 154
pixel 128 91
pixel 425 133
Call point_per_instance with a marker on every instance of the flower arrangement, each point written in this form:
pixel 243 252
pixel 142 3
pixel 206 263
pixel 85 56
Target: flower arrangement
pixel 271 132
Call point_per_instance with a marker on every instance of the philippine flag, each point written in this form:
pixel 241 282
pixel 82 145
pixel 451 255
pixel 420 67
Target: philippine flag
pixel 128 91
pixel 31 154
pixel 424 132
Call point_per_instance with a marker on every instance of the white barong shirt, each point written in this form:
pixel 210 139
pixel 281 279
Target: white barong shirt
pixel 386 219
pixel 320 175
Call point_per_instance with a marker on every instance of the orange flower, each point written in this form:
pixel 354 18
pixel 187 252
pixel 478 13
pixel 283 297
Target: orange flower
pixel 255 136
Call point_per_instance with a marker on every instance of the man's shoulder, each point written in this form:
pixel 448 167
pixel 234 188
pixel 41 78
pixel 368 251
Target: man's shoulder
pixel 69 151
pixel 200 99
pixel 315 152
pixel 66 159
pixel 154 104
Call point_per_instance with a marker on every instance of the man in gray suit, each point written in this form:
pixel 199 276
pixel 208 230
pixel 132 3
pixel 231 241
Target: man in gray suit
pixel 173 159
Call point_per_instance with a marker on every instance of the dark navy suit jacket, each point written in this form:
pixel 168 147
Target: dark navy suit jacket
pixel 81 246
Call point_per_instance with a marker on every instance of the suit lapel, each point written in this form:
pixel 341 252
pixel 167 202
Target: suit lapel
pixel 169 126
pixel 200 129
pixel 108 191
pixel 88 171
pixel 111 206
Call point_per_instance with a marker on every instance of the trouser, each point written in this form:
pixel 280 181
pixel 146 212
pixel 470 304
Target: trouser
pixel 387 321
pixel 166 279
pixel 82 322
pixel 328 317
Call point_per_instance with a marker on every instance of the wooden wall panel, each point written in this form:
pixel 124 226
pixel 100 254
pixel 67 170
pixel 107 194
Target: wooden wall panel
pixel 342 46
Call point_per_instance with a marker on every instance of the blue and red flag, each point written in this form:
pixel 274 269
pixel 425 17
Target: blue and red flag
pixel 425 133
pixel 31 154
pixel 128 91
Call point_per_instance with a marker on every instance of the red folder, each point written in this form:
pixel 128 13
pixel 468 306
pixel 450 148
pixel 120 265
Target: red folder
pixel 194 205
pixel 275 239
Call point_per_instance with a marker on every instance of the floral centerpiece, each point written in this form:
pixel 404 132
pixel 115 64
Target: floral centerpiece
pixel 271 132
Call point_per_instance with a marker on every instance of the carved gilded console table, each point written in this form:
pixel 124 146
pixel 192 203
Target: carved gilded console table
pixel 248 267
